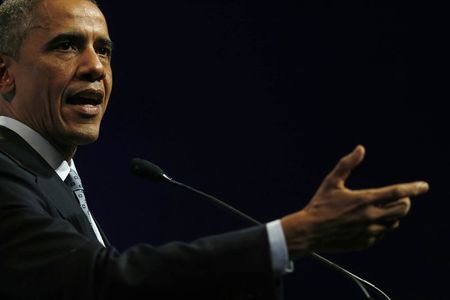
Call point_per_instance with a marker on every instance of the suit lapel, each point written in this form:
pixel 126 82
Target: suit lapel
pixel 58 194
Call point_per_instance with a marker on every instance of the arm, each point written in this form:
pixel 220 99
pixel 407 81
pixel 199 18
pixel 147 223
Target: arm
pixel 44 256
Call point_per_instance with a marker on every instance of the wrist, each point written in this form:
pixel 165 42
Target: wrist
pixel 297 234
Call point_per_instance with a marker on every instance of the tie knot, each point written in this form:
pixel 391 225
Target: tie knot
pixel 74 181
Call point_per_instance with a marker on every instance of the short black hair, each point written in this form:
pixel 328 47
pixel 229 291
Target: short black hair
pixel 15 19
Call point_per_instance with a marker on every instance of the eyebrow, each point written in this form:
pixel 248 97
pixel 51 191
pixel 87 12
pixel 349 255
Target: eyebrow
pixel 79 39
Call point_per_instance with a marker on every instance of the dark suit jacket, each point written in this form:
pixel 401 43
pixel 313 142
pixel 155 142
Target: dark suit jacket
pixel 49 251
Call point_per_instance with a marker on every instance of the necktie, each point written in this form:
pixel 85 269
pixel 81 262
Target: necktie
pixel 74 181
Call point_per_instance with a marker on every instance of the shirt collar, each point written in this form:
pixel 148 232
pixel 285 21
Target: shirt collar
pixel 41 146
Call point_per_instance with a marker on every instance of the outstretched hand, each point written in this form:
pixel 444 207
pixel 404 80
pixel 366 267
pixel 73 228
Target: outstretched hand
pixel 340 219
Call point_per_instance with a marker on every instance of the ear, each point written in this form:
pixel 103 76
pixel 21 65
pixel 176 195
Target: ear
pixel 7 83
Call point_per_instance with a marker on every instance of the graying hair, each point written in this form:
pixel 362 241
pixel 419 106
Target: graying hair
pixel 15 18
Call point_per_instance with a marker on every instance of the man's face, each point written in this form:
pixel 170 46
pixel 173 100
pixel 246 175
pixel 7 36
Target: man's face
pixel 62 75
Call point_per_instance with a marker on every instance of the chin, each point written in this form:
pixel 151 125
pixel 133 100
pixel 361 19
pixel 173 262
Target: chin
pixel 83 137
pixel 86 140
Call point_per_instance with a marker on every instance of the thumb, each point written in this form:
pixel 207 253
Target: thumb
pixel 346 164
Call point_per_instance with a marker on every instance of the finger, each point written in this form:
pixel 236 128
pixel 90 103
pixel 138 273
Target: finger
pixel 386 194
pixel 382 227
pixel 376 230
pixel 345 166
pixel 406 202
pixel 396 209
pixel 367 242
pixel 387 216
pixel 392 224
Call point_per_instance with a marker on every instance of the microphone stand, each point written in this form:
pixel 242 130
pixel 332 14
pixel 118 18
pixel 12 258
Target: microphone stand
pixel 151 171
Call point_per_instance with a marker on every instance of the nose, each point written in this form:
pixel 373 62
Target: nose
pixel 91 67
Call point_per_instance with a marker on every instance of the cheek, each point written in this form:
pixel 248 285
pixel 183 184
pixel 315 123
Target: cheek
pixel 31 94
pixel 47 80
pixel 59 77
pixel 108 84
pixel 109 80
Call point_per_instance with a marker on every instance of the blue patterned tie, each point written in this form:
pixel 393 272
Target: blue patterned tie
pixel 74 181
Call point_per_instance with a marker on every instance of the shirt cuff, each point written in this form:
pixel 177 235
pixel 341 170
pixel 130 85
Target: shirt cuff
pixel 278 249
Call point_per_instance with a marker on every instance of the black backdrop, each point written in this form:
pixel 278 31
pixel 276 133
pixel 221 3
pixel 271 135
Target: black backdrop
pixel 255 102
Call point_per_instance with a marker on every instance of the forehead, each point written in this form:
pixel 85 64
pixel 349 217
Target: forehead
pixel 69 15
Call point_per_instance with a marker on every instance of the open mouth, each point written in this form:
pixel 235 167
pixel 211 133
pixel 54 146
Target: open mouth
pixel 88 97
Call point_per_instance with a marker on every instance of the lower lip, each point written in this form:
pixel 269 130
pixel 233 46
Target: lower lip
pixel 86 109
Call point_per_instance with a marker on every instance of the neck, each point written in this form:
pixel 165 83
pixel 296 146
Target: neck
pixel 66 151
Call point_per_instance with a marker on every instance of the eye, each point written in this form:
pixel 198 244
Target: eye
pixel 104 51
pixel 66 46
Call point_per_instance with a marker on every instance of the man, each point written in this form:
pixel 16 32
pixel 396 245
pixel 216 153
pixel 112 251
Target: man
pixel 55 84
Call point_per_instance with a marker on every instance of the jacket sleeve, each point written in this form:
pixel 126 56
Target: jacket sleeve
pixel 43 256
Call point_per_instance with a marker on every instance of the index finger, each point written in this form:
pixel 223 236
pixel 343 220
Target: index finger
pixel 395 191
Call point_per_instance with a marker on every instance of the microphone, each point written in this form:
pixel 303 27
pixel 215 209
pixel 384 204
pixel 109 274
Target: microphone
pixel 148 170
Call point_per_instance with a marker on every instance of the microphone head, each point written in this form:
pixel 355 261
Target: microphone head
pixel 146 169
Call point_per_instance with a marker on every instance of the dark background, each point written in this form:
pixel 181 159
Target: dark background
pixel 255 102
